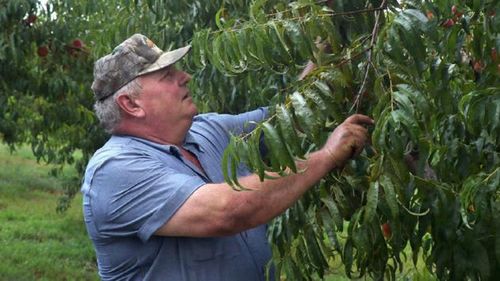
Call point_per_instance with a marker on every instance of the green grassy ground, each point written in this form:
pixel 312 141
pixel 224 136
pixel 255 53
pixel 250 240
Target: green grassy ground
pixel 36 242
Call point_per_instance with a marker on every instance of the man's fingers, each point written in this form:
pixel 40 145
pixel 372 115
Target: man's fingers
pixel 357 131
pixel 360 119
pixel 349 139
pixel 354 150
pixel 357 147
pixel 360 139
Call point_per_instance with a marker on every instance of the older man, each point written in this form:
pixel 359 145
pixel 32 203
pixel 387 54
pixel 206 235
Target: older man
pixel 155 202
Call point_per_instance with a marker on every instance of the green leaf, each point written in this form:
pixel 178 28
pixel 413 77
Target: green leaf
pixel 371 203
pixel 279 34
pixel 218 20
pixel 277 148
pixel 225 163
pixel 421 19
pixel 257 13
pixel 234 163
pixel 254 153
pixel 303 112
pixel 230 163
pixel 404 103
pixel 214 54
pixel 390 196
pixel 299 40
pixel 403 118
pixel 252 45
pixel 322 87
pixel 317 101
pixel 333 211
pixel 200 42
pixel 330 229
pixel 348 257
pixel 314 250
pixel 287 129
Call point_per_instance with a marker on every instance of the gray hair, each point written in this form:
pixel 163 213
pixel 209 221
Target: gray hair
pixel 108 112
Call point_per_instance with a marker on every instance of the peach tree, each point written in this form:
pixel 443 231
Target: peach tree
pixel 426 71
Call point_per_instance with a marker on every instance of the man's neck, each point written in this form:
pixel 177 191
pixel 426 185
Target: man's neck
pixel 173 135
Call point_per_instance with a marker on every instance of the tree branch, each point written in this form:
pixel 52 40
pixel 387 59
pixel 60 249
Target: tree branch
pixel 369 63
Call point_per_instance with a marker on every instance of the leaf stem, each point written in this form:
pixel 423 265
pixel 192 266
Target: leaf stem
pixel 491 175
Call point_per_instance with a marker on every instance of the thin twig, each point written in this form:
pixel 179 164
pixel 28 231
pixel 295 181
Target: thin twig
pixel 348 13
pixel 490 175
pixel 375 30
pixel 378 9
pixel 344 61
pixel 390 89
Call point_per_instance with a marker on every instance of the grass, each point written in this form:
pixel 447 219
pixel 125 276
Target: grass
pixel 36 242
pixel 409 273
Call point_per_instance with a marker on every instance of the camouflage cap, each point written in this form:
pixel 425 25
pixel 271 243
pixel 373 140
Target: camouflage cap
pixel 134 57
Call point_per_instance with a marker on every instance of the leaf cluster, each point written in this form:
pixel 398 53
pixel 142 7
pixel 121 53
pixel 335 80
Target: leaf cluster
pixel 431 174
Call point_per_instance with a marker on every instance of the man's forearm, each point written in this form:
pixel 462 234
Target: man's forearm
pixel 271 197
pixel 218 210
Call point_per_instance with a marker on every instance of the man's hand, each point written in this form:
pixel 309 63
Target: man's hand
pixel 348 139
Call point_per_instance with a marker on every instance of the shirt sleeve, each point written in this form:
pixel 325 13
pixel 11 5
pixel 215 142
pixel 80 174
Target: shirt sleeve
pixel 137 194
pixel 242 123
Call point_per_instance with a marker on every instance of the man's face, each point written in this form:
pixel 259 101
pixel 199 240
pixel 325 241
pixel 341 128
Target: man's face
pixel 165 97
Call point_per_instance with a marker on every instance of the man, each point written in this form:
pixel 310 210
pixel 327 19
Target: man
pixel 155 202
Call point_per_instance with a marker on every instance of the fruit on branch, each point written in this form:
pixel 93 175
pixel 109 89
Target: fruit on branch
pixel 448 23
pixel 42 51
pixel 471 208
pixel 76 47
pixel 478 66
pixel 430 15
pixel 456 12
pixel 386 230
pixel 77 43
pixel 493 54
pixel 31 19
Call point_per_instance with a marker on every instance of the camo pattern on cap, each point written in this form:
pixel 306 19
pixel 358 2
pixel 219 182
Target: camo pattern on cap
pixel 134 57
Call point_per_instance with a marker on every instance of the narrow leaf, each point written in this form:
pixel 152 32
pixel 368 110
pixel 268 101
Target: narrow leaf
pixel 371 202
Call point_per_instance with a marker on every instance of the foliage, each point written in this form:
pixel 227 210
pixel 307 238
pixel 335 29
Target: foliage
pixel 432 174
pixel 427 71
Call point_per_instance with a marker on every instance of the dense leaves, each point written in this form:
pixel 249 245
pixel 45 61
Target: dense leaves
pixel 426 71
pixel 435 143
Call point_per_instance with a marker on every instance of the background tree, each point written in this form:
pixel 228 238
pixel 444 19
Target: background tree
pixel 427 71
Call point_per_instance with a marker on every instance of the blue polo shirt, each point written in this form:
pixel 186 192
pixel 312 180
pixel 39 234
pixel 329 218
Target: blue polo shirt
pixel 133 186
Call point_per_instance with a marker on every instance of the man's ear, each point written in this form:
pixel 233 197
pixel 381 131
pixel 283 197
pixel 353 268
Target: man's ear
pixel 129 105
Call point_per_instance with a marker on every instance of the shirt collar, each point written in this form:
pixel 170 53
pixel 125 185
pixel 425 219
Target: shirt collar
pixel 190 140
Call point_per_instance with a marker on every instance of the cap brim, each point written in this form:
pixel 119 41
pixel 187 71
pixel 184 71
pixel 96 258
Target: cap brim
pixel 167 59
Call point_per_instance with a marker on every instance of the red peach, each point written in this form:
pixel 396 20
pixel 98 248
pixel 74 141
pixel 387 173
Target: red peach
pixel 42 51
pixel 448 23
pixel 386 230
pixel 77 43
pixel 31 19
